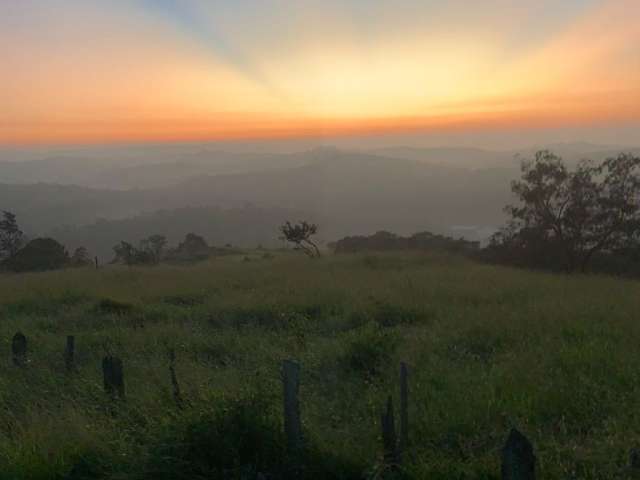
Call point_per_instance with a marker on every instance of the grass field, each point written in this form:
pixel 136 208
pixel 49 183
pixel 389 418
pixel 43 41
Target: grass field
pixel 489 348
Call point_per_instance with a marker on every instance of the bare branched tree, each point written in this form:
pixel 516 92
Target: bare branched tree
pixel 300 235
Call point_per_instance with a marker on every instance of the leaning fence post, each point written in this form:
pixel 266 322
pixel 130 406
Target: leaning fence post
pixel 292 423
pixel 518 460
pixel 389 440
pixel 113 376
pixel 404 408
pixel 69 353
pixel 19 349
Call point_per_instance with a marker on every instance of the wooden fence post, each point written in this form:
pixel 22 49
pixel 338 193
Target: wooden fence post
pixel 634 463
pixel 389 439
pixel 404 408
pixel 177 396
pixel 518 460
pixel 292 422
pixel 69 353
pixel 96 262
pixel 113 376
pixel 19 349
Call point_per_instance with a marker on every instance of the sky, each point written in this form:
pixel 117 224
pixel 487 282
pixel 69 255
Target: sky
pixel 83 71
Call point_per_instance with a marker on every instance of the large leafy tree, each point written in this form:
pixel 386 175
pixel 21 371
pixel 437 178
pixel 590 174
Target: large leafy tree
pixel 80 257
pixel 154 246
pixel 38 255
pixel 571 216
pixel 11 237
pixel 130 255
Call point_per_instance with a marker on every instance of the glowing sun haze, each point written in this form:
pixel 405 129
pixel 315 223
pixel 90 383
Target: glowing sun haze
pixel 121 70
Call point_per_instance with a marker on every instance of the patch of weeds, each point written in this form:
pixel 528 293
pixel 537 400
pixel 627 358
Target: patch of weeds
pixel 371 261
pixel 108 306
pixel 266 316
pixel 574 335
pixel 356 319
pixel 369 348
pixel 89 466
pixel 317 311
pixel 71 299
pixel 45 306
pixel 238 439
pixel 214 354
pixel 390 315
pixel 185 299
pixel 477 344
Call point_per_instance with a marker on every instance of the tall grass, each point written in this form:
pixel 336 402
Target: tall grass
pixel 488 348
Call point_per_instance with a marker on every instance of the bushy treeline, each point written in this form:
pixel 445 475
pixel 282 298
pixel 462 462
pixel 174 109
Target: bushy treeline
pixel 153 250
pixel 19 254
pixel 387 241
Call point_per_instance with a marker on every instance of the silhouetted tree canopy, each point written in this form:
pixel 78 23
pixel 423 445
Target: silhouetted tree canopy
pixel 154 246
pixel 192 248
pixel 128 254
pixel 11 237
pixel 149 251
pixel 80 258
pixel 38 255
pixel 300 235
pixel 564 218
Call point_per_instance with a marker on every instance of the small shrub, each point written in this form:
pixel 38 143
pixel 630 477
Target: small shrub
pixel 369 348
pixel 371 261
pixel 237 439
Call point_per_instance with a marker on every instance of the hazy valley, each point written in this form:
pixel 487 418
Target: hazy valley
pixel 82 198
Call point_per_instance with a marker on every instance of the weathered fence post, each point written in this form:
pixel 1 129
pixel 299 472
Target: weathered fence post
pixel 69 353
pixel 177 396
pixel 389 439
pixel 113 376
pixel 404 408
pixel 19 349
pixel 634 463
pixel 518 460
pixel 292 422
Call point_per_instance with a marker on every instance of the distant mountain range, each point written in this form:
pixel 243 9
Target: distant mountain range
pixel 93 202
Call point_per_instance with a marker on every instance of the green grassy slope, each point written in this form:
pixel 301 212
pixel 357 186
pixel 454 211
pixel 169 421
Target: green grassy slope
pixel 489 348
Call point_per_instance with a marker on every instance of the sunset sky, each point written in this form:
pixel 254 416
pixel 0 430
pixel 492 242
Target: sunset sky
pixel 136 70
